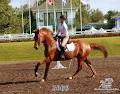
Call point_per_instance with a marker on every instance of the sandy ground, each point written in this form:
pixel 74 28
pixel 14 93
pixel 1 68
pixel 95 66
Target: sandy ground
pixel 19 78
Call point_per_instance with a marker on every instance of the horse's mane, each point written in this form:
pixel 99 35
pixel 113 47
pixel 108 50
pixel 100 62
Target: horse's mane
pixel 44 30
pixel 47 30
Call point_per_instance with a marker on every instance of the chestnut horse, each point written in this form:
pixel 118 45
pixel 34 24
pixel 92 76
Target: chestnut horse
pixel 81 52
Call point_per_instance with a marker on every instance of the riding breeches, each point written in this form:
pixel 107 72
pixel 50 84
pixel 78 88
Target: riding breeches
pixel 65 40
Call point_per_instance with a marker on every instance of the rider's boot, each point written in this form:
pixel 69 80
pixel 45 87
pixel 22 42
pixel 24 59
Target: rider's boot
pixel 62 52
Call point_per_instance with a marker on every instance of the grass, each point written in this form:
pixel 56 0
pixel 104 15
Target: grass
pixel 111 43
pixel 18 51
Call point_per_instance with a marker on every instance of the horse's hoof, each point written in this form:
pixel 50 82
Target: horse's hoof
pixel 93 76
pixel 70 78
pixel 43 80
pixel 36 74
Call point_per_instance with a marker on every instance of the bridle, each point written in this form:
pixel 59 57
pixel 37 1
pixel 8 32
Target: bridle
pixel 37 38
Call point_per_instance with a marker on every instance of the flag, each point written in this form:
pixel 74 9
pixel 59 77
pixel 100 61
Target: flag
pixel 50 2
pixel 64 2
pixel 85 2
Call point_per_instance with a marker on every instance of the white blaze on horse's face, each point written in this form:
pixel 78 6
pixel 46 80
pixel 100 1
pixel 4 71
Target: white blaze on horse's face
pixel 39 38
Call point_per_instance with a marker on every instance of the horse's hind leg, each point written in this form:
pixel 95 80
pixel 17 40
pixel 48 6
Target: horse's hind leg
pixel 80 60
pixel 88 62
pixel 78 69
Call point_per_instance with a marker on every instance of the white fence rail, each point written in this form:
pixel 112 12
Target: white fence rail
pixel 12 37
pixel 16 36
pixel 91 32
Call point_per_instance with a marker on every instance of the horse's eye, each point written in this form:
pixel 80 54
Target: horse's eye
pixel 35 38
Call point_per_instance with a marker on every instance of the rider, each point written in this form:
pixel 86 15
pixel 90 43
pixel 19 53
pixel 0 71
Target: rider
pixel 63 32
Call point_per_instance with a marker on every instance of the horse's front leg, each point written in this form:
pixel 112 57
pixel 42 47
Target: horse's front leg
pixel 47 61
pixel 36 69
pixel 46 71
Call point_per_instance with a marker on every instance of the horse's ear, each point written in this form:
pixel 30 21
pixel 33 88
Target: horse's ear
pixel 35 30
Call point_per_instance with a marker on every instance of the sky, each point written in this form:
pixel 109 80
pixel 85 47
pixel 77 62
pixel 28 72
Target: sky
pixel 103 5
pixel 18 3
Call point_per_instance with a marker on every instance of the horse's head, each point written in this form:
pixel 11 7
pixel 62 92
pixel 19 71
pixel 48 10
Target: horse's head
pixel 41 35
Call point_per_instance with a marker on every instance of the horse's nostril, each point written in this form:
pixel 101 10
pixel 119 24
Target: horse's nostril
pixel 36 48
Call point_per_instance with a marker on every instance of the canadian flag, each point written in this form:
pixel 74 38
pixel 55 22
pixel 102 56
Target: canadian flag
pixel 50 2
pixel 64 2
pixel 85 2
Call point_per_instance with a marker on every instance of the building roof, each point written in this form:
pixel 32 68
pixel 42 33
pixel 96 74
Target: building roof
pixel 58 6
pixel 116 17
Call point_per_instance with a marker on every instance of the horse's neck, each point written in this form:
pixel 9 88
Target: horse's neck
pixel 48 45
pixel 46 49
pixel 50 41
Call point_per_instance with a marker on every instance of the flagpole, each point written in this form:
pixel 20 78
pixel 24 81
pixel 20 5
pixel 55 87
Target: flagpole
pixel 22 20
pixel 80 16
pixel 71 17
pixel 37 15
pixel 62 7
pixel 54 16
pixel 47 10
pixel 29 17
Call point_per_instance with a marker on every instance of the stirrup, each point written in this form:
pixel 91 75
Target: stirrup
pixel 62 56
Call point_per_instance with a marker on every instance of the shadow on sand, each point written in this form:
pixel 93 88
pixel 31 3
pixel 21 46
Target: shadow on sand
pixel 18 82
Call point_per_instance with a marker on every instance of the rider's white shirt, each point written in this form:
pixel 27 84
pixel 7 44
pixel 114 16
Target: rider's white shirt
pixel 63 29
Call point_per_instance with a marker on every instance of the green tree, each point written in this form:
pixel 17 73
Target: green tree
pixel 85 16
pixel 85 13
pixel 109 16
pixel 26 18
pixel 96 16
pixel 9 22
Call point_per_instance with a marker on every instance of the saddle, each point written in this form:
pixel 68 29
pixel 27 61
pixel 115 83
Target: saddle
pixel 69 46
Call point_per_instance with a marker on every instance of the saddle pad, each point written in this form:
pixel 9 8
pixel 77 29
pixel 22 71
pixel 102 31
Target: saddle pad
pixel 70 47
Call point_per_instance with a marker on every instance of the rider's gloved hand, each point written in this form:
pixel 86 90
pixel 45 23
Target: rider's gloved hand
pixel 54 34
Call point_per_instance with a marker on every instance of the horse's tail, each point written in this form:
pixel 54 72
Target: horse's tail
pixel 99 47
